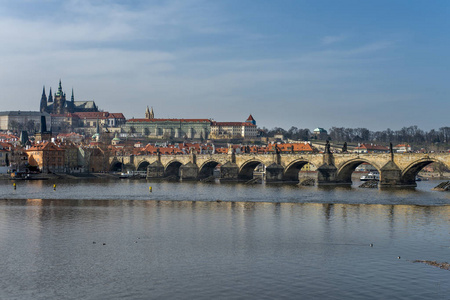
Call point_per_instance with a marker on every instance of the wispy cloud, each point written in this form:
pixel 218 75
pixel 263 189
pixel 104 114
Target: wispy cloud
pixel 332 39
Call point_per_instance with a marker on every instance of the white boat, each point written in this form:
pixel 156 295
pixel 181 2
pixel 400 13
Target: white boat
pixel 371 176
pixel 126 175
pixel 133 174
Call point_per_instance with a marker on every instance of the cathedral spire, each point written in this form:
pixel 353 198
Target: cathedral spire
pixel 50 96
pixel 72 98
pixel 43 105
pixel 147 113
pixel 59 92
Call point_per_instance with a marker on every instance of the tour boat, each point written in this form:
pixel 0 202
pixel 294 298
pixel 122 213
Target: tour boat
pixel 371 176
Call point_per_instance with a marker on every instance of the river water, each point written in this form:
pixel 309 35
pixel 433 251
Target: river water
pixel 100 239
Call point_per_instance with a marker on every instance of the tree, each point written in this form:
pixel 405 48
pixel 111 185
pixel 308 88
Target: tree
pixel 30 126
pixel 15 126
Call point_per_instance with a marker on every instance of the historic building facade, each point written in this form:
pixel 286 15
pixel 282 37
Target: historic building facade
pixel 23 120
pixel 168 128
pixel 230 130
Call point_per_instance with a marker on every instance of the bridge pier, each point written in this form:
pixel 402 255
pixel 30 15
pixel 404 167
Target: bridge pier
pixel 155 170
pixel 274 173
pixel 391 176
pixel 189 171
pixel 229 172
pixel 327 175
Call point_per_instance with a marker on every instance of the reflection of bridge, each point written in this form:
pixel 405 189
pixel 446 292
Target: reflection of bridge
pixel 395 169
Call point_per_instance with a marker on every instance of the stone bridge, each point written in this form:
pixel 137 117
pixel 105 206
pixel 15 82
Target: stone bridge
pixel 399 169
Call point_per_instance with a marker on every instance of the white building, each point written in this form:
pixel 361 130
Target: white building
pixel 227 130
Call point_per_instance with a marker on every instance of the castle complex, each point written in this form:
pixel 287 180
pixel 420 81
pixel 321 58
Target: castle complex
pixel 190 128
pixel 58 104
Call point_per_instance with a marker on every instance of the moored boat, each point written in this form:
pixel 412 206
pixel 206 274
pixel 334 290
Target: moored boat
pixel 372 176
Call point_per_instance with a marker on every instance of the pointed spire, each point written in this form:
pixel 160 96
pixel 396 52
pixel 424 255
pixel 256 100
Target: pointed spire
pixel 72 98
pixel 50 96
pixel 152 114
pixel 59 92
pixel 43 105
pixel 147 113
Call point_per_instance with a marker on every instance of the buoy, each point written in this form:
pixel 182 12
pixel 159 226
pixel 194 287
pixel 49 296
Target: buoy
pixel 54 187
pixel 14 185
pixel 371 245
pixel 150 189
pixel 398 257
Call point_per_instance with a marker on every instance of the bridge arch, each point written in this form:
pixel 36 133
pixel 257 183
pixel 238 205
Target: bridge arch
pixel 207 169
pixel 172 168
pixel 292 170
pixel 247 168
pixel 344 172
pixel 116 166
pixel 142 166
pixel 410 172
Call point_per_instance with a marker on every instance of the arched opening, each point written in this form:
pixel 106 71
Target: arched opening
pixel 173 169
pixel 116 167
pixel 364 171
pixel 251 170
pixel 292 172
pixel 143 166
pixel 410 175
pixel 207 170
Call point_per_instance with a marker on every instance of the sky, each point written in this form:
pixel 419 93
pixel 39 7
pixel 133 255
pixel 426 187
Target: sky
pixel 373 64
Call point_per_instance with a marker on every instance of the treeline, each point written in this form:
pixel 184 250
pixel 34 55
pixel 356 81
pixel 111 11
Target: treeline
pixel 293 133
pixel 411 135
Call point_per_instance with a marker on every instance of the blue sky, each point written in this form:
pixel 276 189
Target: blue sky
pixel 375 64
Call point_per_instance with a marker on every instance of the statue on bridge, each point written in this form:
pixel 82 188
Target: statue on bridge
pixel 327 147
pixel 277 150
pixel 344 148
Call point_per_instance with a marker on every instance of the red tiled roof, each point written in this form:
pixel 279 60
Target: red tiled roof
pixel 116 116
pixel 69 115
pixel 99 115
pixel 250 118
pixel 44 146
pixel 170 120
pixel 232 124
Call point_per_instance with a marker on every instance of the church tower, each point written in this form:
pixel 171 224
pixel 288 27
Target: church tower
pixel 152 114
pixel 59 101
pixel 43 105
pixel 149 114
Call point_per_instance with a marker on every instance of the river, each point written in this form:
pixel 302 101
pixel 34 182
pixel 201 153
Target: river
pixel 111 239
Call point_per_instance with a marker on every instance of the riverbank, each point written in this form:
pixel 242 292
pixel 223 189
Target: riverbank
pixel 65 176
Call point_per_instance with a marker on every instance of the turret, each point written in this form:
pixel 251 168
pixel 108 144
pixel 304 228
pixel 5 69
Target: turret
pixel 43 125
pixel 251 120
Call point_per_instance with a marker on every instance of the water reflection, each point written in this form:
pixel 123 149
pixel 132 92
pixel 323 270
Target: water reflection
pixel 273 246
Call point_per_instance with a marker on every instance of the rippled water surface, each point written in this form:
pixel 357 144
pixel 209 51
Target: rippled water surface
pixel 99 239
